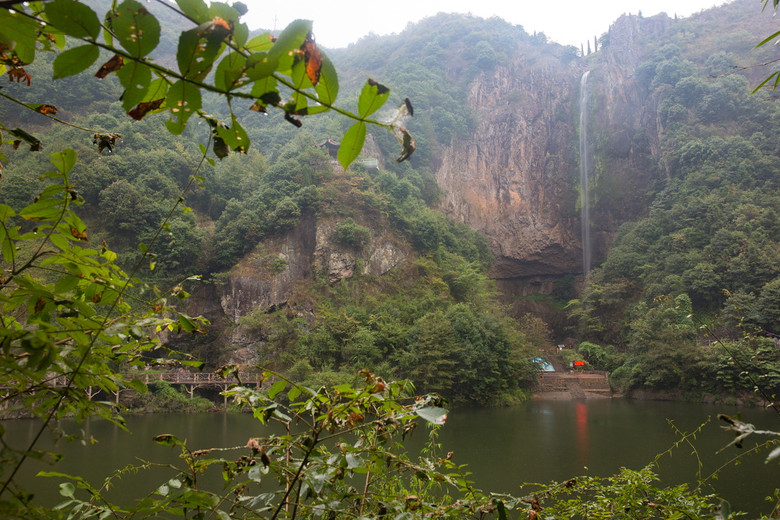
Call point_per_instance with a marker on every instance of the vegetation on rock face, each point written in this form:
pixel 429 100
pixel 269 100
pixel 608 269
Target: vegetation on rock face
pixel 708 245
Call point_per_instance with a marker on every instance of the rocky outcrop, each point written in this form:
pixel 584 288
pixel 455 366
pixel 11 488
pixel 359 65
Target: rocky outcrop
pixel 268 277
pixel 379 256
pixel 271 276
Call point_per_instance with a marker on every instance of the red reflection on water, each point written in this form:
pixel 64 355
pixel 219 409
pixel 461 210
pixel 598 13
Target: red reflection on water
pixel 581 415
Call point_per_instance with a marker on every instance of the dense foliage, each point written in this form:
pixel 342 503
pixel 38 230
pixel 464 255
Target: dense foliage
pixel 708 246
pixel 76 315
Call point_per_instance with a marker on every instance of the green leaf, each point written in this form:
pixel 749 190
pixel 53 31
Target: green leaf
pixel 264 85
pixel 66 284
pixel 158 89
pixel 20 34
pixel 64 160
pixel 276 388
pixel 328 86
pixel 352 144
pixel 44 209
pixel 224 11
pixel 195 9
pixel 8 250
pixel 6 212
pixel 229 72
pixel 501 509
pixel 299 78
pixel 293 394
pixel 67 489
pixel 433 414
pixel 353 461
pixel 261 42
pixel 240 34
pixel 183 101
pixel 108 36
pixel 74 60
pixel 768 39
pixel 372 97
pixel 195 59
pixel 166 439
pixel 73 18
pixel 135 77
pixel 137 30
pixel 290 40
pixel 235 137
pixel 192 363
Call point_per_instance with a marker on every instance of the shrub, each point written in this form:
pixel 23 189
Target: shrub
pixel 352 235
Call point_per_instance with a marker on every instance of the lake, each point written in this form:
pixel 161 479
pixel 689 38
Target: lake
pixel 539 441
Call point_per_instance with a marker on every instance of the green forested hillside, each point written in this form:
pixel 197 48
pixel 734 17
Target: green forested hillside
pixel 326 278
pixel 435 318
pixel 709 236
pixel 704 263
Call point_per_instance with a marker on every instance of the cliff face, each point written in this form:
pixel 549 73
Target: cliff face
pixel 515 178
pixel 279 267
pixel 511 179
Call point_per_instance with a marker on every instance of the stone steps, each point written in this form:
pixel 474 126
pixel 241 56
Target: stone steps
pixel 576 385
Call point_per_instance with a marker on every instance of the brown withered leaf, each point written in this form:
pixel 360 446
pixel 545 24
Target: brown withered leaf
pixel 381 89
pixel 141 109
pixel 19 75
pixel 221 149
pixel 312 58
pixel 407 143
pixel 105 140
pixel 218 26
pixel 46 109
pixel 409 107
pixel 292 120
pixel 79 235
pixel 257 106
pixel 112 65
pixel 221 22
pixel 24 137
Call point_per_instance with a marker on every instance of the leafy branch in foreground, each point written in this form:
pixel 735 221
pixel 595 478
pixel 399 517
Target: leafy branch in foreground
pixel 287 72
pixel 775 75
pixel 70 317
pixel 325 453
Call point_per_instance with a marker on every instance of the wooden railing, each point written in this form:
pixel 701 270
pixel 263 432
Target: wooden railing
pixel 179 377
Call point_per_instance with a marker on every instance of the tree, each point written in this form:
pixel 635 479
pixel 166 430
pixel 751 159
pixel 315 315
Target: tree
pixel 287 73
pixel 70 317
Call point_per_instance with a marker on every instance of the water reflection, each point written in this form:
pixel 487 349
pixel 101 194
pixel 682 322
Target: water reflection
pixel 583 445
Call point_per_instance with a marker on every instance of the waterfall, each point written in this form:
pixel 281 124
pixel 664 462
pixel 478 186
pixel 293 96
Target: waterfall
pixel 584 167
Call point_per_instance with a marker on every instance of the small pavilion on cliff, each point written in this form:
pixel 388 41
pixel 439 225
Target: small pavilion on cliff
pixel 331 146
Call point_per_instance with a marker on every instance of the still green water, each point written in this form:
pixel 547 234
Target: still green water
pixel 540 441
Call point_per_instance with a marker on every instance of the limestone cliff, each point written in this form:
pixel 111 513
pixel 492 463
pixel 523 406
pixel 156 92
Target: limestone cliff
pixel 515 177
pixel 512 179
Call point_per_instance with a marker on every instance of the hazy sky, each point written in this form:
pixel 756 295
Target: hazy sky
pixel 341 22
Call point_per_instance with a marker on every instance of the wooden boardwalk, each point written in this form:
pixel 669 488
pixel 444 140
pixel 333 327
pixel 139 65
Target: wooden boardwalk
pixel 188 380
